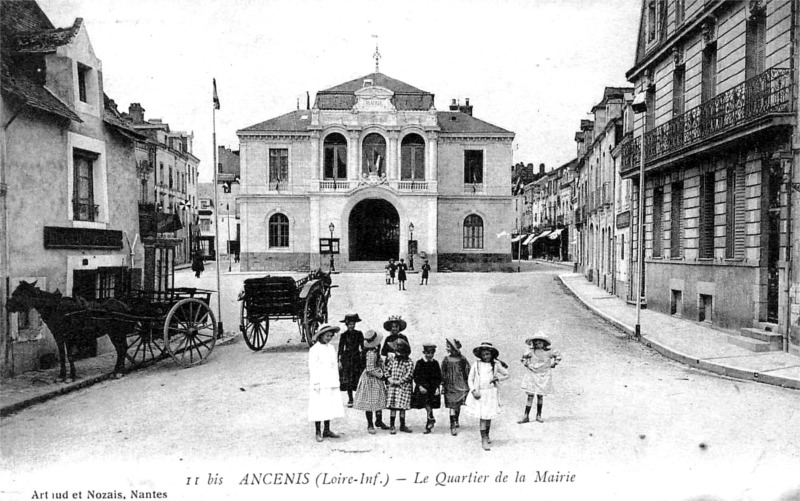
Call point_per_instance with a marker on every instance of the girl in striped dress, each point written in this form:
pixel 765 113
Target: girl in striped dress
pixel 371 392
pixel 399 374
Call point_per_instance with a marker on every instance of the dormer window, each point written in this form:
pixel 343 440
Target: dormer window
pixel 83 77
pixel 368 82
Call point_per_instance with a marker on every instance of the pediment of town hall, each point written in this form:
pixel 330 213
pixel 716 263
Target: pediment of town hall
pixel 374 171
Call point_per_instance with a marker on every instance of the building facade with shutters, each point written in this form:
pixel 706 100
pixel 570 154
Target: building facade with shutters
pixel 717 81
pixel 68 175
pixel 375 168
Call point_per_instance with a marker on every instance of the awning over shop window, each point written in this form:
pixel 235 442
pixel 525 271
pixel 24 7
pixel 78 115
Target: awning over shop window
pixel 540 235
pixel 556 233
pixel 529 239
pixel 518 237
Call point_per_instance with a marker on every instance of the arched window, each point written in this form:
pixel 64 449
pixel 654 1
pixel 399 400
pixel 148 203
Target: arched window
pixel 473 232
pixel 335 146
pixel 278 231
pixel 412 151
pixel 373 161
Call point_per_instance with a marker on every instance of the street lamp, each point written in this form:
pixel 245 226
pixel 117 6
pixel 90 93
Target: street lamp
pixel 331 227
pixel 639 105
pixel 410 242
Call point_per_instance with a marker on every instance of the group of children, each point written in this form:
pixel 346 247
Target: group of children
pixel 380 376
pixel 400 268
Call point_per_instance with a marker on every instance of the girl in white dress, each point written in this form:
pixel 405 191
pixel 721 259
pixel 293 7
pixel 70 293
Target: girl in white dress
pixel 484 376
pixel 324 399
pixel 538 361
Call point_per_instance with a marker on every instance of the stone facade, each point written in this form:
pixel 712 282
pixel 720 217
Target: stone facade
pixel 718 124
pixel 69 170
pixel 377 164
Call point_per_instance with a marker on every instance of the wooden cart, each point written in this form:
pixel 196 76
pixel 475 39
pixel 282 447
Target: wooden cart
pixel 304 301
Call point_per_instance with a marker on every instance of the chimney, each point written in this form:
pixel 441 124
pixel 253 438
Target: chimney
pixel 466 108
pixel 541 169
pixel 136 112
pixel 454 106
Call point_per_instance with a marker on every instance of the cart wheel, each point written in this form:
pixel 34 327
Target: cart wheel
pixel 190 331
pixel 314 313
pixel 255 329
pixel 146 346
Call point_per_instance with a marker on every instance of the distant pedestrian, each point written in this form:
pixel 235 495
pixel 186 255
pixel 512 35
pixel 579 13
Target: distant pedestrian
pixel 401 274
pixel 484 377
pixel 351 360
pixel 399 374
pixel 426 269
pixel 392 267
pixel 324 400
pixel 387 275
pixel 455 374
pixel 539 359
pixel 371 391
pixel 197 264
pixel 427 385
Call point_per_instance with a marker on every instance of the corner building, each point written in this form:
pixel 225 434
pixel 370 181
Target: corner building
pixel 374 161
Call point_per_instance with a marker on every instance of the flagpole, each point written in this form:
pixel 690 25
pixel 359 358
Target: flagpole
pixel 216 212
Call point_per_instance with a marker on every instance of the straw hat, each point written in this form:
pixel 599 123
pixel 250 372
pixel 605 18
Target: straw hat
pixel 387 325
pixel 540 336
pixel 372 339
pixel 323 329
pixel 454 344
pixel 350 317
pixel 485 346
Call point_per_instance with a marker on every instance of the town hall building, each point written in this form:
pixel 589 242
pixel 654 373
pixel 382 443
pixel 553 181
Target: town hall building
pixel 374 171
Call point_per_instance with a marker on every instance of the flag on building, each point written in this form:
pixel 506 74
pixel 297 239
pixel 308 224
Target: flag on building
pixel 216 98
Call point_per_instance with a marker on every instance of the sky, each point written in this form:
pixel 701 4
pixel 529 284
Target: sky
pixel 534 67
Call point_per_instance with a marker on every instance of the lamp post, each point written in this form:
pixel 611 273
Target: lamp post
pixel 410 243
pixel 230 250
pixel 331 227
pixel 639 105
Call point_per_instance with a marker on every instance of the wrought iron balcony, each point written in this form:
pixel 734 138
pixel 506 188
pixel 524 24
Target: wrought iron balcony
pixel 768 93
pixel 83 211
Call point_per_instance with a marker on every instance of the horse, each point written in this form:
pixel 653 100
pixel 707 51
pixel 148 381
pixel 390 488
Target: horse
pixel 67 319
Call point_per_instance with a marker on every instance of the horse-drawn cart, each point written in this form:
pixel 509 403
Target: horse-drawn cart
pixel 304 301
pixel 142 325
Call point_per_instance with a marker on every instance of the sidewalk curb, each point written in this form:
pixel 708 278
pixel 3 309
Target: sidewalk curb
pixel 685 359
pixel 7 410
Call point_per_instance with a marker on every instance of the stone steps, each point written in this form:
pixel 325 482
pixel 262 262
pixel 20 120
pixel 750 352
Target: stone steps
pixel 757 340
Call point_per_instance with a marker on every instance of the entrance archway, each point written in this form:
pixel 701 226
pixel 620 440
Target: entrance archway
pixel 374 231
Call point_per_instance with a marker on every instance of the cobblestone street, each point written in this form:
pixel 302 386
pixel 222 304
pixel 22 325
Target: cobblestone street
pixel 624 418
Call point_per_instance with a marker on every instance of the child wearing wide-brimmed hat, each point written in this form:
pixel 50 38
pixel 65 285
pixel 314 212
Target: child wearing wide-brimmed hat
pixel 399 373
pixel 324 399
pixel 351 360
pixel 539 359
pixel 371 391
pixel 484 377
pixel 455 373
pixel 395 325
pixel 427 384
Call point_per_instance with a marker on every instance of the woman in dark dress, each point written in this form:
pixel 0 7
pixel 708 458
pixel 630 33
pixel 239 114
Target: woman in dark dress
pixel 351 359
pixel 427 383
pixel 401 274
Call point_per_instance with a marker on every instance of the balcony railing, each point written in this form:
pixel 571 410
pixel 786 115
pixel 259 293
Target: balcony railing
pixel 473 188
pixel 412 185
pixel 767 93
pixel 83 211
pixel 337 185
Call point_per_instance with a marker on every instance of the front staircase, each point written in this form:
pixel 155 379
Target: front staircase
pixel 362 266
pixel 763 338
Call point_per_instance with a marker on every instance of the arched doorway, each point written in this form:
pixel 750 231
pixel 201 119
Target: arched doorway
pixel 374 231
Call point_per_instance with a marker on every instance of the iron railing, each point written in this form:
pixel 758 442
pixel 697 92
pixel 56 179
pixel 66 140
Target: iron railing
pixel 83 211
pixel 766 93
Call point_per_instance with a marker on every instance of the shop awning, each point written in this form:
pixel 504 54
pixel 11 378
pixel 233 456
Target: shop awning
pixel 556 233
pixel 540 235
pixel 519 237
pixel 529 239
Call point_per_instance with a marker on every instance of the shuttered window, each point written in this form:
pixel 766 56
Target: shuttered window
pixel 676 221
pixel 755 45
pixel 658 202
pixel 706 236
